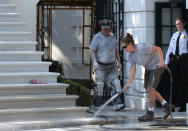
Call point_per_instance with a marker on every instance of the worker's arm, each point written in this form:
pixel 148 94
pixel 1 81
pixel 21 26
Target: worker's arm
pixel 131 77
pixel 160 55
pixel 93 58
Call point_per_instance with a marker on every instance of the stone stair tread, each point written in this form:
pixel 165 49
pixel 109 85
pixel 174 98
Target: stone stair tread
pixel 28 73
pixel 9 14
pixel 43 109
pixel 32 89
pixel 21 52
pixel 52 123
pixel 37 97
pixel 12 86
pixel 68 120
pixel 26 77
pixel 18 42
pixel 7 5
pixel 24 63
pixel 59 120
pixel 14 32
pixel 12 23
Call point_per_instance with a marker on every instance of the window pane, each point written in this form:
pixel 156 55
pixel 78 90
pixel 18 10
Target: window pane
pixel 176 12
pixel 166 35
pixel 174 29
pixel 87 36
pixel 165 16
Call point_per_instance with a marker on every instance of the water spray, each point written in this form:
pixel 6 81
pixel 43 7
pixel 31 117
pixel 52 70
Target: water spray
pixel 107 102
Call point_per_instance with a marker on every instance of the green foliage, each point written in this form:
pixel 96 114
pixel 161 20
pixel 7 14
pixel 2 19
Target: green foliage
pixel 56 67
pixel 77 89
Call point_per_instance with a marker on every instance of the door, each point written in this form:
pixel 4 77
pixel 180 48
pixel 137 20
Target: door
pixel 165 16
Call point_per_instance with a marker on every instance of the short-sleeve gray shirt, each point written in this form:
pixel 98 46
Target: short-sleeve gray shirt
pixel 143 55
pixel 104 47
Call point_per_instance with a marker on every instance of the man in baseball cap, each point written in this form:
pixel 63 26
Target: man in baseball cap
pixel 105 23
pixel 106 63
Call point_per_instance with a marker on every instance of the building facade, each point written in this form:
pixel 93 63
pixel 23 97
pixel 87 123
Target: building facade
pixel 150 21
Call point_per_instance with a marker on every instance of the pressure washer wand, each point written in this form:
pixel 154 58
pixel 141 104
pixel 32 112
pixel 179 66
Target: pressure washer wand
pixel 107 102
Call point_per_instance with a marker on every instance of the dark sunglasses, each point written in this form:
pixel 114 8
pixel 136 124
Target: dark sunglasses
pixel 124 46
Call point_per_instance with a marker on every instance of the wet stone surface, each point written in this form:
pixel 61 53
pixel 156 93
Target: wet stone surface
pixel 131 124
pixel 127 119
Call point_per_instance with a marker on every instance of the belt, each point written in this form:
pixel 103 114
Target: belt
pixel 179 56
pixel 101 63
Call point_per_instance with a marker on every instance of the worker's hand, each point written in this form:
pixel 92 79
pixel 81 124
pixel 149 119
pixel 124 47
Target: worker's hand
pixel 161 64
pixel 125 88
pixel 166 67
pixel 118 67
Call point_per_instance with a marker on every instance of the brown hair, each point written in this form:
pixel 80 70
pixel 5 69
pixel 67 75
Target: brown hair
pixel 181 19
pixel 128 39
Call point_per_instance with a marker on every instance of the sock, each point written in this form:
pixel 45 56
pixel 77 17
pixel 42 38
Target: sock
pixel 163 102
pixel 150 108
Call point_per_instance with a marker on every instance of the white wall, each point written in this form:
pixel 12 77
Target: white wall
pixel 27 8
pixel 67 36
pixel 67 43
pixel 139 21
pixel 5 1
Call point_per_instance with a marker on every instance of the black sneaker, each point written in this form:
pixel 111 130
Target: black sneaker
pixel 149 116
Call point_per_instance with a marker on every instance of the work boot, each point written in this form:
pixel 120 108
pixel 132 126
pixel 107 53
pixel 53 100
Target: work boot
pixel 147 117
pixel 167 110
pixel 118 107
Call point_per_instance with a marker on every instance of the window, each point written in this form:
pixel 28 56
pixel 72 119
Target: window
pixel 165 16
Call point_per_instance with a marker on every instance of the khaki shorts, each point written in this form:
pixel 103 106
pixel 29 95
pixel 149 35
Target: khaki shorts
pixel 153 77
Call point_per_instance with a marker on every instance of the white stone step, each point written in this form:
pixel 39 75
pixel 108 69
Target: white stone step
pixel 32 114
pixel 12 26
pixel 15 36
pixel 32 89
pixel 4 1
pixel 18 45
pixel 10 17
pixel 26 77
pixel 35 101
pixel 20 56
pixel 10 67
pixel 7 8
pixel 62 124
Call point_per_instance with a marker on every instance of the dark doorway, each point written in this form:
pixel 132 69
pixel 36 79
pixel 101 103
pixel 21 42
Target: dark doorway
pixel 165 15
